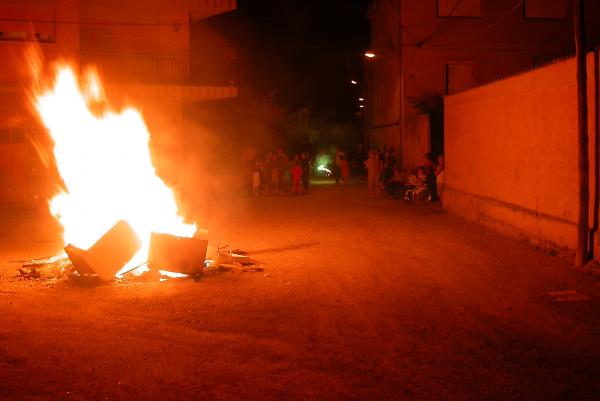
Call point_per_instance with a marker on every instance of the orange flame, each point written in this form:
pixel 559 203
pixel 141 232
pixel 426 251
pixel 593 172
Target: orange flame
pixel 106 167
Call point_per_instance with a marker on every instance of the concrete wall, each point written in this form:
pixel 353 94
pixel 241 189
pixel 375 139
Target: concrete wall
pixel 511 152
pixel 134 42
pixel 161 27
pixel 415 141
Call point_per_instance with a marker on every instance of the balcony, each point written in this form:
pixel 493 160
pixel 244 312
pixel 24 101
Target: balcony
pixel 139 68
pixel 157 76
pixel 200 9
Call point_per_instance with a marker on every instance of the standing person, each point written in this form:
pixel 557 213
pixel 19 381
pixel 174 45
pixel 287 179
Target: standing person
pixel 439 172
pixel 339 155
pixel 296 178
pixel 246 170
pixel 267 176
pixel 430 169
pixel 305 164
pixel 361 157
pixel 275 173
pixel 381 155
pixel 282 161
pixel 344 169
pixel 256 168
pixel 372 166
pixel 389 163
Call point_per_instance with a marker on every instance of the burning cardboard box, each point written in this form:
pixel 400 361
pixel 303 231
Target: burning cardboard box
pixel 177 254
pixel 109 254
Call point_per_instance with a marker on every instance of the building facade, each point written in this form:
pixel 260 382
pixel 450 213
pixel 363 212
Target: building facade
pixel 142 52
pixel 427 49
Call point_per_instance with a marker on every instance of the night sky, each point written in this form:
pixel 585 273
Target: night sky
pixel 307 51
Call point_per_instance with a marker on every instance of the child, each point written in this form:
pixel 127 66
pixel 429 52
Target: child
pixel 297 178
pixel 256 167
pixel 344 169
pixel 373 170
pixel 305 164
pixel 396 184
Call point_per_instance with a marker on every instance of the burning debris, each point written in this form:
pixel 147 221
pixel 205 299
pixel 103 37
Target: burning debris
pixel 118 216
pixel 47 268
pixel 177 254
pixel 109 254
pixel 169 256
pixel 171 259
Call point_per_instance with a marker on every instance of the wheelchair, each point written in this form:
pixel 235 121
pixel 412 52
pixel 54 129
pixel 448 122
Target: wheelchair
pixel 418 194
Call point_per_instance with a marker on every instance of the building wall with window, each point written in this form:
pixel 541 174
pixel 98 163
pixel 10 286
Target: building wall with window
pixel 51 24
pixel 382 81
pixel 448 46
pixel 41 23
pixel 142 52
pixel 153 45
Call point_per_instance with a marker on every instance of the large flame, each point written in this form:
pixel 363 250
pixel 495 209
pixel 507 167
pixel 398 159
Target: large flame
pixel 104 161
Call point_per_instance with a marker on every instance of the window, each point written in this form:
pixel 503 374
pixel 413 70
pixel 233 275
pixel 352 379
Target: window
pixel 4 135
pixel 14 135
pixel 459 77
pixel 17 36
pixel 555 9
pixel 27 23
pixel 459 8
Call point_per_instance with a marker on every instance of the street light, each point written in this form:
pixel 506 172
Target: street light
pixel 361 99
pixel 370 54
pixel 362 106
pixel 353 82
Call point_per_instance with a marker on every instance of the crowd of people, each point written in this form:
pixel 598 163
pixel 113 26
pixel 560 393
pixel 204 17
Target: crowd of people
pixel 385 176
pixel 273 172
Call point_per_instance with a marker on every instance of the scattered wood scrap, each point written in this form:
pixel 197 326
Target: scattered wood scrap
pixel 45 268
pixel 70 266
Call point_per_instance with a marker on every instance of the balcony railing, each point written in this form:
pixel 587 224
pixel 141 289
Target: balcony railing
pixel 200 9
pixel 139 68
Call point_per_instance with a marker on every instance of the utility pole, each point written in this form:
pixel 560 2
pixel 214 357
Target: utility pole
pixel 582 252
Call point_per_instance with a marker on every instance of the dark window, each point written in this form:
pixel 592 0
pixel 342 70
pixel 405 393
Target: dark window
pixel 555 9
pixel 4 135
pixel 459 8
pixel 44 37
pixel 27 23
pixel 13 35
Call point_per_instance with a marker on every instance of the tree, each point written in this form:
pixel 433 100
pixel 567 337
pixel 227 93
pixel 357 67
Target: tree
pixel 300 127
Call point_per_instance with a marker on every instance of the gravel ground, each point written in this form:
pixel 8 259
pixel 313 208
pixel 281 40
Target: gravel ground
pixel 360 299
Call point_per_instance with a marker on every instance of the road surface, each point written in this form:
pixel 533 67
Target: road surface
pixel 360 299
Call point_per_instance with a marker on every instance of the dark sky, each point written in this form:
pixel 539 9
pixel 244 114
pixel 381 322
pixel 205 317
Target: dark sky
pixel 307 50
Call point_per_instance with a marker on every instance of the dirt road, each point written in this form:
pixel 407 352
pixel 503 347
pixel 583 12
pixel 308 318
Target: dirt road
pixel 360 300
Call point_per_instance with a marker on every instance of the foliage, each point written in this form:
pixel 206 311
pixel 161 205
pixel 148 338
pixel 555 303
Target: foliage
pixel 300 127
